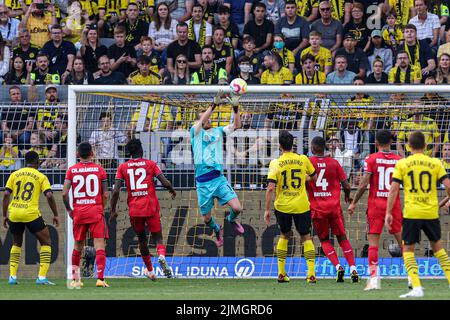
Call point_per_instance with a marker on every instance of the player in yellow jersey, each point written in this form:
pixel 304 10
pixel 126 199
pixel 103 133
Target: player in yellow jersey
pixel 25 186
pixel 288 175
pixel 419 174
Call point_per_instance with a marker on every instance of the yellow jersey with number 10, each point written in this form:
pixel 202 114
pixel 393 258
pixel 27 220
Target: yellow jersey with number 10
pixel 26 185
pixel 420 176
pixel 289 173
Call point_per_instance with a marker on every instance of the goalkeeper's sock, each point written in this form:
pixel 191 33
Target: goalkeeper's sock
pixel 100 260
pixel 211 223
pixel 147 262
pixel 161 250
pixel 282 247
pixel 76 257
pixel 44 262
pixel 310 255
pixel 329 251
pixel 444 262
pixel 14 258
pixel 232 215
pixel 373 260
pixel 412 268
pixel 348 252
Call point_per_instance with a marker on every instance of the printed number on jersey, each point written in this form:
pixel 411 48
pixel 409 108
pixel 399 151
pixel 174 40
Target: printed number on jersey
pixel 137 177
pixel 90 183
pixel 321 182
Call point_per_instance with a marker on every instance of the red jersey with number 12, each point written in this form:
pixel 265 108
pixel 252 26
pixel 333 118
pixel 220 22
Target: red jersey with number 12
pixel 86 181
pixel 381 167
pixel 325 193
pixel 139 175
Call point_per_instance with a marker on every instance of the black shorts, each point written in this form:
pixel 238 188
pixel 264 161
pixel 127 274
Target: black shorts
pixel 412 230
pixel 302 222
pixel 18 228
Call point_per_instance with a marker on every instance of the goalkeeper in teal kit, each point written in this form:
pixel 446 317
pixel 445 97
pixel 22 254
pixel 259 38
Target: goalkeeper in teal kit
pixel 207 144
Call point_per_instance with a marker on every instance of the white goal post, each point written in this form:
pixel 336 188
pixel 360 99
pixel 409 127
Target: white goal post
pixel 74 90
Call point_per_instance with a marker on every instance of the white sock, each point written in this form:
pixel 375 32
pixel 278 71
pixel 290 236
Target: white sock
pixel 338 266
pixel 352 268
pixel 14 277
pixel 41 278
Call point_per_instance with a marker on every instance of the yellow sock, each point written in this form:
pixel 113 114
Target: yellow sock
pixel 14 258
pixel 308 252
pixel 282 247
pixel 44 263
pixel 444 262
pixel 412 268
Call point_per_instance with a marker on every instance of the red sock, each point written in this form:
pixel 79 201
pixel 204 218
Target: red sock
pixel 161 250
pixel 147 262
pixel 373 260
pixel 100 260
pixel 329 251
pixel 76 257
pixel 348 252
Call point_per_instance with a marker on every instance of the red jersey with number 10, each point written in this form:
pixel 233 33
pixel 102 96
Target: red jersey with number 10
pixel 325 193
pixel 381 167
pixel 86 181
pixel 139 175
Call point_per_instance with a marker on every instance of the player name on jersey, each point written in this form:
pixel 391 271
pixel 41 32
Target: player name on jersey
pixel 136 164
pixel 85 169
pixel 386 161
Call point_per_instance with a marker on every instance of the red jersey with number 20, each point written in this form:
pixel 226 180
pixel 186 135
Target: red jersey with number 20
pixel 381 167
pixel 86 181
pixel 325 193
pixel 139 175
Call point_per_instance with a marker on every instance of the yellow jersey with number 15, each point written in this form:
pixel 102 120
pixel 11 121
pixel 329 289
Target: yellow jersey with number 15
pixel 26 185
pixel 289 173
pixel 420 176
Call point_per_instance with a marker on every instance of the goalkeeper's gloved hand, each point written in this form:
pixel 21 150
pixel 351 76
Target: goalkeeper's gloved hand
pixel 217 99
pixel 233 99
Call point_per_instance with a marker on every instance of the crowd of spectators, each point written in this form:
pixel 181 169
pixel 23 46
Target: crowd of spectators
pixel 178 42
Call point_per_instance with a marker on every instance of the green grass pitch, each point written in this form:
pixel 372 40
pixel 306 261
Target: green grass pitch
pixel 220 289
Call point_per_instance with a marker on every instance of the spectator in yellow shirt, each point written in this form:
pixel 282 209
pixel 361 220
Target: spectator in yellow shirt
pixel 286 55
pixel 445 156
pixel 418 122
pixel 38 21
pixel 404 72
pixel 309 75
pixel 144 76
pixel 275 72
pixel 323 58
pixel 9 153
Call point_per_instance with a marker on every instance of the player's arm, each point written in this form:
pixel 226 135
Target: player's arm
pixel 359 193
pixel 52 204
pixel 65 196
pixel 234 101
pixel 166 184
pixel 446 201
pixel 105 192
pixel 347 189
pixel 114 199
pixel 393 194
pixel 207 114
pixel 269 196
pixel 6 199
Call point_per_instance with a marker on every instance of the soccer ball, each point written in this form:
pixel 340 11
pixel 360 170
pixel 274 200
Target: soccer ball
pixel 238 86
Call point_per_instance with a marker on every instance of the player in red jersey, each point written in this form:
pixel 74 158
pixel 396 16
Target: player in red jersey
pixel 378 169
pixel 90 195
pixel 139 174
pixel 325 198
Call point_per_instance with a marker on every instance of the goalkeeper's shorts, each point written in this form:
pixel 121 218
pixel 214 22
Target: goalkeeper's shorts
pixel 217 188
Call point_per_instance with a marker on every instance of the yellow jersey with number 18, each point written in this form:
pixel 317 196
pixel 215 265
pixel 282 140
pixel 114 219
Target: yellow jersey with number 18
pixel 420 176
pixel 26 185
pixel 289 173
